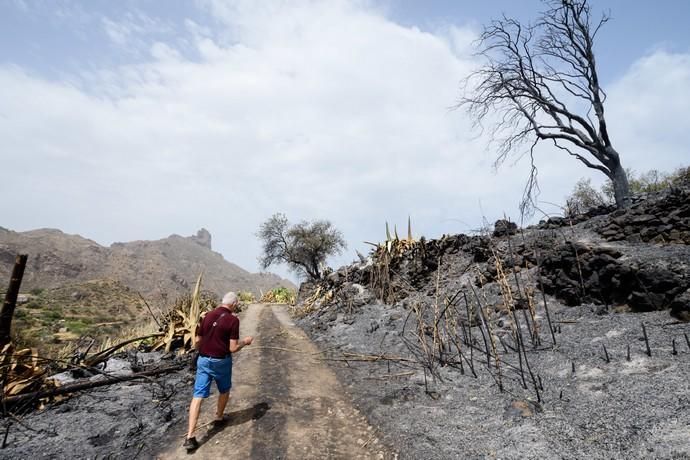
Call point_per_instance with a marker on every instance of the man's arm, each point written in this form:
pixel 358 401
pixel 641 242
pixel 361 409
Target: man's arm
pixel 237 345
pixel 196 343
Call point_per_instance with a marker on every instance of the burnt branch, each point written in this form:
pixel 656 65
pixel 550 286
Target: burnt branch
pixel 540 82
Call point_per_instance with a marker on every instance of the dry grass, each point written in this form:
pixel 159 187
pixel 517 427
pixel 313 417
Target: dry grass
pixel 319 298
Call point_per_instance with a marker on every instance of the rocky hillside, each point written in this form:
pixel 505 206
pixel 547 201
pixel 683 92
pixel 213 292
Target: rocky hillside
pixel 48 319
pixel 567 339
pixel 154 268
pixel 637 259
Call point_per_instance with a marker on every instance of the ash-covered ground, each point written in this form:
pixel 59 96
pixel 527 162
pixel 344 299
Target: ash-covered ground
pixel 125 420
pixel 637 408
pixel 446 344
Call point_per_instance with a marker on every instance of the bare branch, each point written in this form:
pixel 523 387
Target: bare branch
pixel 542 82
pixel 583 159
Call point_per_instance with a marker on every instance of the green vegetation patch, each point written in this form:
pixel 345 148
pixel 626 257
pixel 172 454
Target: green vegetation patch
pixel 78 326
pixel 280 295
pixel 97 308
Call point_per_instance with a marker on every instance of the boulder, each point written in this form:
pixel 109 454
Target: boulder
pixel 680 306
pixel 503 227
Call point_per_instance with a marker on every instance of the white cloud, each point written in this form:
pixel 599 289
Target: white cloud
pixel 650 112
pixel 118 32
pixel 134 29
pixel 317 109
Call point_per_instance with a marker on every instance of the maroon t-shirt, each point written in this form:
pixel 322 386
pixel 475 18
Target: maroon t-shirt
pixel 218 327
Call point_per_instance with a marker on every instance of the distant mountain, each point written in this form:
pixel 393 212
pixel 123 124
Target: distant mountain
pixel 164 267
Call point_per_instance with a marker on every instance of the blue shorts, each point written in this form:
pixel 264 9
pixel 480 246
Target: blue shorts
pixel 209 369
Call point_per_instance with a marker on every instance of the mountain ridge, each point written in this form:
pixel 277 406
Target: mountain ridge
pixel 164 267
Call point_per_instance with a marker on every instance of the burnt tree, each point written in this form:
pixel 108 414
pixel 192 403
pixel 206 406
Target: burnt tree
pixel 539 82
pixel 7 311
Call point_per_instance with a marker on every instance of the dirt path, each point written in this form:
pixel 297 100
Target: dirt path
pixel 286 403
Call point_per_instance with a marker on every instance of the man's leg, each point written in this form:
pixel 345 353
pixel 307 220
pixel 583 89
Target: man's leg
pixel 222 402
pixel 202 387
pixel 194 409
pixel 224 382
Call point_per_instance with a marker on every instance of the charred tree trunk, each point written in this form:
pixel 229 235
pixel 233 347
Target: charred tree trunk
pixel 7 311
pixel 619 180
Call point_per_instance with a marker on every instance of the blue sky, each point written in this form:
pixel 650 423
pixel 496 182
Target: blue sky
pixel 137 119
pixel 57 37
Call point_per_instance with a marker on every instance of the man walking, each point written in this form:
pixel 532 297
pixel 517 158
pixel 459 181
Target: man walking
pixel 217 338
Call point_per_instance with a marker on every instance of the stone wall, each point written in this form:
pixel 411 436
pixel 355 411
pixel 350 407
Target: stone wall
pixel 576 274
pixel 664 221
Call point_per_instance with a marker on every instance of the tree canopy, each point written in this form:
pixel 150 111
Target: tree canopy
pixel 304 247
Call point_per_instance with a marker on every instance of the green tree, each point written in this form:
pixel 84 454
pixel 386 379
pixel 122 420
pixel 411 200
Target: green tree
pixel 304 247
pixel 584 196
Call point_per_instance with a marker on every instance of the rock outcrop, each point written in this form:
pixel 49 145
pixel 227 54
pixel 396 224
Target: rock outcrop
pixel 203 237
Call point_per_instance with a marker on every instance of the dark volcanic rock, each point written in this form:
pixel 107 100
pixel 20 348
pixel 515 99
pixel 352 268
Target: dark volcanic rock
pixel 575 265
pixel 504 227
pixel 680 306
pixel 600 275
pixel 662 219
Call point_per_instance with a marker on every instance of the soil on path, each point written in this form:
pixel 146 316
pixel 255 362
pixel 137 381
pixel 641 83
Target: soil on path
pixel 285 403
